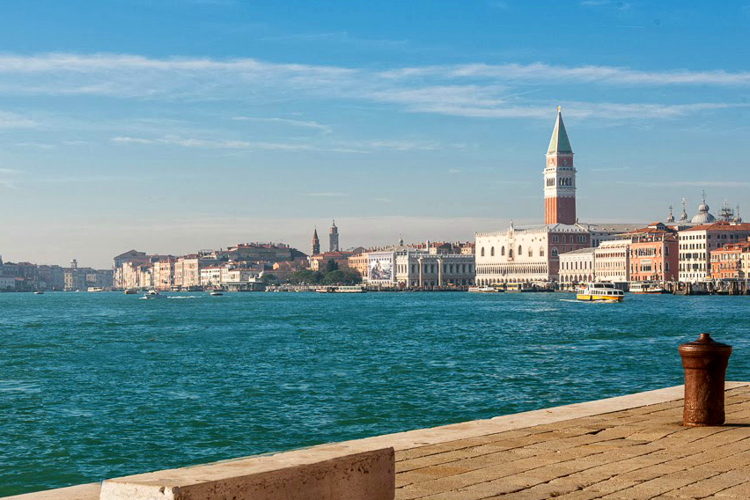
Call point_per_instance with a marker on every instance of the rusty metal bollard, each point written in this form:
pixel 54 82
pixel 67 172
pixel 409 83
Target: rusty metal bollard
pixel 705 363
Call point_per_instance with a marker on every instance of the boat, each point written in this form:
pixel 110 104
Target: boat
pixel 216 293
pixel 600 292
pixel 94 289
pixel 483 289
pixel 153 294
pixel 349 289
pixel 646 287
pixel 38 292
pixel 131 291
pixel 341 289
pixel 519 287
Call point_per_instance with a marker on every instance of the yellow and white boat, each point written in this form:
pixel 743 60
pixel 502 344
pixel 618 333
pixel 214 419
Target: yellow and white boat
pixel 600 292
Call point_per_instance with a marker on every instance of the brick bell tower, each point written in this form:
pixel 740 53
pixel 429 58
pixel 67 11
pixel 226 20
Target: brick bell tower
pixel 559 178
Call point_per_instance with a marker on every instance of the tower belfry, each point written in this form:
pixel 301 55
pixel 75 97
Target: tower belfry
pixel 333 238
pixel 559 177
pixel 315 243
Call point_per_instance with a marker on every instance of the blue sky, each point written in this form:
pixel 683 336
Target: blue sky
pixel 173 125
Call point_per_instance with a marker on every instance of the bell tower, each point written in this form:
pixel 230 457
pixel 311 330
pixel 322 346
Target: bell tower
pixel 315 243
pixel 559 178
pixel 333 238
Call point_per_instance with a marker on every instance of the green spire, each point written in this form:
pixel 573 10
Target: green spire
pixel 559 143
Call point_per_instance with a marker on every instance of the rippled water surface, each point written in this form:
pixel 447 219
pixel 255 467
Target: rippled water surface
pixel 102 385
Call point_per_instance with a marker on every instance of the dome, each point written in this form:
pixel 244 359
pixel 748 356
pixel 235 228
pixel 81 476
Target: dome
pixel 703 216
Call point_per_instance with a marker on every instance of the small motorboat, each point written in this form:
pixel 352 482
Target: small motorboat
pixel 216 293
pixel 646 288
pixel 38 292
pixel 483 289
pixel 600 292
pixel 153 294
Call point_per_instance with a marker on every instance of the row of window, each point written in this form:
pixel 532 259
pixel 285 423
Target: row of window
pixel 433 268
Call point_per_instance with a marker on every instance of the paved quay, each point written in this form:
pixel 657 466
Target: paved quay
pixel 641 451
pixel 626 447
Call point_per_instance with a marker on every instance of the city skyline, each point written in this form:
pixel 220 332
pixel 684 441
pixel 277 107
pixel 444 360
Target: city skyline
pixel 169 143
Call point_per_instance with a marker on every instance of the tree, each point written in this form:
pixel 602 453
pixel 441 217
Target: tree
pixel 331 266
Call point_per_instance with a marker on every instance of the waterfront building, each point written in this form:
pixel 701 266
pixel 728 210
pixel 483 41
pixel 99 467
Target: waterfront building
pixel 697 242
pixel 527 254
pixel 612 261
pixel 315 243
pixel 320 261
pixel 256 252
pixel 406 267
pixel 187 271
pixel 164 272
pixel 134 258
pixel 210 276
pixel 7 283
pixel 731 261
pixel 577 266
pixel 654 253
pixel 359 262
pixel 333 238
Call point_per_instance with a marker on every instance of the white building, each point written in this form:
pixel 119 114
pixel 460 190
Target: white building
pixel 577 266
pixel 7 283
pixel 527 254
pixel 406 267
pixel 697 242
pixel 210 276
pixel 612 261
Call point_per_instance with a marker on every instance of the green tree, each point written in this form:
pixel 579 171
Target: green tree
pixel 331 266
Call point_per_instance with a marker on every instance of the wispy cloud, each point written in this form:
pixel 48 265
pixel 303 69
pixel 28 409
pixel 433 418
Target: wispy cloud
pixel 468 90
pixel 328 195
pixel 14 120
pixel 286 121
pixel 359 147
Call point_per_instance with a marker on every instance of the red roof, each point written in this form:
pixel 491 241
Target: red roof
pixel 721 226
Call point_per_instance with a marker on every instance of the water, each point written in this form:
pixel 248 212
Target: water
pixel 102 385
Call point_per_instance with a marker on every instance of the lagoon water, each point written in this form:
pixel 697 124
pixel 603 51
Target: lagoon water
pixel 102 385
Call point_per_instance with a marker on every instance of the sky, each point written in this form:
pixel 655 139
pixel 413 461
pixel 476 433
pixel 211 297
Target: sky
pixel 175 125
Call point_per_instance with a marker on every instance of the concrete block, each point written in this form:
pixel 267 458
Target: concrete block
pixel 325 472
pixel 81 492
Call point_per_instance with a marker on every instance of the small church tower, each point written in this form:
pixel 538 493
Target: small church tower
pixel 333 238
pixel 559 178
pixel 315 243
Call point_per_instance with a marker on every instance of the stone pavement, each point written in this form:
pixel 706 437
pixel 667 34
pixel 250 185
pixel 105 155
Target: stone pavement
pixel 639 452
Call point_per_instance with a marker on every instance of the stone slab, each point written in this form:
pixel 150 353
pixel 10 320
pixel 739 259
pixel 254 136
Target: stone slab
pixel 319 473
pixel 81 492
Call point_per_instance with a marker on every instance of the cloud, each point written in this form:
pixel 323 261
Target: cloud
pixel 539 73
pixel 13 120
pixel 328 195
pixel 286 121
pixel 476 90
pixel 359 147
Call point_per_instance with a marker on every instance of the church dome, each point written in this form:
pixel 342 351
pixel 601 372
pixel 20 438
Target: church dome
pixel 703 216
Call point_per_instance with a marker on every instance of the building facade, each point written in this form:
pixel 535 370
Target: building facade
pixel 731 262
pixel 612 261
pixel 406 267
pixel 697 242
pixel 577 267
pixel 526 255
pixel 654 254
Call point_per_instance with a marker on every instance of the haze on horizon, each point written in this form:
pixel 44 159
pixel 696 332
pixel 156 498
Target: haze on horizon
pixel 175 125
